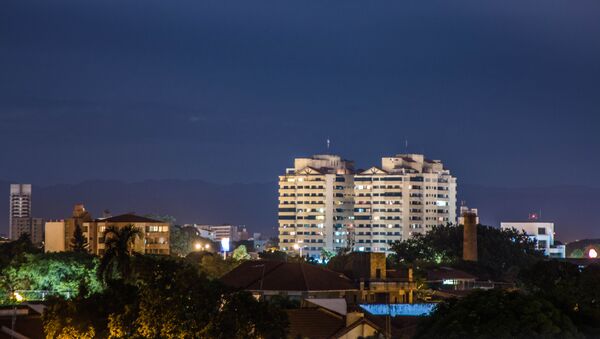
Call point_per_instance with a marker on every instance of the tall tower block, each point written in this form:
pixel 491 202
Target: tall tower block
pixel 469 235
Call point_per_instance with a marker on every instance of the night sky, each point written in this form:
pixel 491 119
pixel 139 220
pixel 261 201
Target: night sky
pixel 506 93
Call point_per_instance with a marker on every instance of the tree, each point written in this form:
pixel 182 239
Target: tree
pixel 79 243
pixel 242 316
pixel 89 316
pixel 116 261
pixel 212 264
pixel 167 298
pixel 497 314
pixel 58 273
pixel 183 240
pixel 240 253
pixel 327 254
pixel 573 291
pixel 13 250
pixel 501 253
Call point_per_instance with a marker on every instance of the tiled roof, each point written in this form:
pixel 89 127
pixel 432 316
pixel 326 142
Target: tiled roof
pixel 313 323
pixel 284 276
pixel 129 218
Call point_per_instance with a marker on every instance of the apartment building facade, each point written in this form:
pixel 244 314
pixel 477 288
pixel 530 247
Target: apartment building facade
pixel 316 205
pixel 154 238
pixel 365 210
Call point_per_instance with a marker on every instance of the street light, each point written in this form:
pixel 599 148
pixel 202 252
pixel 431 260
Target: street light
pixel 197 246
pixel 207 247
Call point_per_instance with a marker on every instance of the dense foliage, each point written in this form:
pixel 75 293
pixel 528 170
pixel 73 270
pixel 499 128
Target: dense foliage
pixel 167 298
pixel 212 264
pixel 573 291
pixel 118 250
pixel 183 241
pixel 58 273
pixel 240 253
pixel 498 314
pixel 502 253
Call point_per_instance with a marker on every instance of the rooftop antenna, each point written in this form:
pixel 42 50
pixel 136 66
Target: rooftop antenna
pixel 406 145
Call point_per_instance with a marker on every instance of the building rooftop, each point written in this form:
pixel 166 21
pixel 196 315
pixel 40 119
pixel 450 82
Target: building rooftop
pixel 129 218
pixel 314 323
pixel 285 276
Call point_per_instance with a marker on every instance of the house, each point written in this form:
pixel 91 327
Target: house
pixel 298 281
pixel 328 318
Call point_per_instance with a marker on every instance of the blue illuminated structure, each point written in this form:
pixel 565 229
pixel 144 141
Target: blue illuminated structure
pixel 394 310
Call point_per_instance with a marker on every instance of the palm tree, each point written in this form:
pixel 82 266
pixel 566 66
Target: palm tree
pixel 118 243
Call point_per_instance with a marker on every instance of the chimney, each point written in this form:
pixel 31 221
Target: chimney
pixel 469 235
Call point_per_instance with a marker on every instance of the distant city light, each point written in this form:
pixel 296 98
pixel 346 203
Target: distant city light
pixel 592 253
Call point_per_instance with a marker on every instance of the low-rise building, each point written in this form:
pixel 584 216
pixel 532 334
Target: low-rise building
pixel 542 233
pixel 59 234
pixel 154 237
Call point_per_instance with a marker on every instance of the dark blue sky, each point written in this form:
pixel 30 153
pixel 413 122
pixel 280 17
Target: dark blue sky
pixel 506 93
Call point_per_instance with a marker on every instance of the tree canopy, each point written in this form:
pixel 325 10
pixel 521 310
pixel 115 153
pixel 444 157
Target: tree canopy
pixel 501 253
pixel 183 241
pixel 497 314
pixel 118 249
pixel 572 290
pixel 167 298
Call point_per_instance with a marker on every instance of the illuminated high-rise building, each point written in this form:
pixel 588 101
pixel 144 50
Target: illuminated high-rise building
pixel 316 205
pixel 325 204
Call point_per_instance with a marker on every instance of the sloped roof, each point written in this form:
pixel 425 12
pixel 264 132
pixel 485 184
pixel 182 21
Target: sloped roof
pixel 374 170
pixel 129 218
pixel 314 323
pixel 285 276
pixel 309 170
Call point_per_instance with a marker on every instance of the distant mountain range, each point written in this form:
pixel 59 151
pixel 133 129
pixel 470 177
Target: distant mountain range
pixel 572 208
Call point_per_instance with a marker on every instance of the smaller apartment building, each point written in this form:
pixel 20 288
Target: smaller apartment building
pixel 154 237
pixel 542 233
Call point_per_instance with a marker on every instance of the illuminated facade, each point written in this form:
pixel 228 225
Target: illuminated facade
pixel 316 205
pixel 325 204
pixel 154 237
pixel 408 194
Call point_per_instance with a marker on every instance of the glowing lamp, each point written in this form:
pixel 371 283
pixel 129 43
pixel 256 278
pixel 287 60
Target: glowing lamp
pixel 592 253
